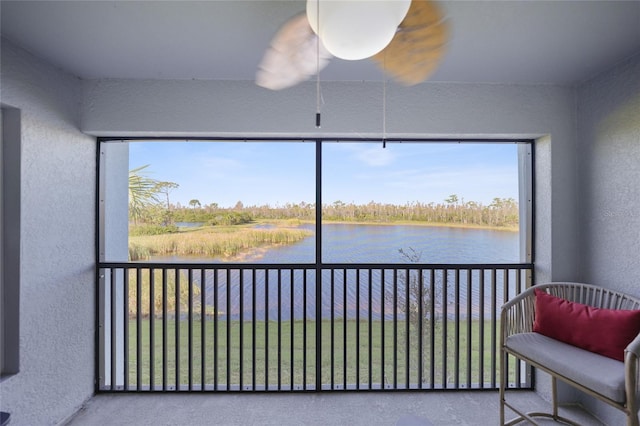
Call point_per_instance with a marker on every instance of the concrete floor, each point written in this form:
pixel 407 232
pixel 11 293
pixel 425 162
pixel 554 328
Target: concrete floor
pixel 351 408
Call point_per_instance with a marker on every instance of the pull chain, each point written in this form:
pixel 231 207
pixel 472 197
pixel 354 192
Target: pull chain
pixel 384 103
pixel 318 64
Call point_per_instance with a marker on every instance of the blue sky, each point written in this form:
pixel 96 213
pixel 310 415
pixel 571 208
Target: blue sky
pixel 277 173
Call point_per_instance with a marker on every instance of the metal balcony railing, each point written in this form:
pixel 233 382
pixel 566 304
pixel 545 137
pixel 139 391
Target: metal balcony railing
pixel 293 327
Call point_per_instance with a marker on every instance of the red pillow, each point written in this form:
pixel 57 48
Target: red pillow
pixel 603 331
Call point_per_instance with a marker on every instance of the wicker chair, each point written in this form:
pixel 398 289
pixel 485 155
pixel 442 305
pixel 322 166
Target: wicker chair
pixel 609 380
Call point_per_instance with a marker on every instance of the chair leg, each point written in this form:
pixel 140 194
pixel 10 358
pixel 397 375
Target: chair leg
pixel 502 385
pixel 631 389
pixel 632 414
pixel 554 396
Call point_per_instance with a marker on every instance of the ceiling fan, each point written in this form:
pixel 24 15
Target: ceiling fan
pixel 414 52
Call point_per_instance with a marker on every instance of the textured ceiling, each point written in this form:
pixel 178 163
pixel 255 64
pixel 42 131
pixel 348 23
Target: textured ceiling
pixel 557 42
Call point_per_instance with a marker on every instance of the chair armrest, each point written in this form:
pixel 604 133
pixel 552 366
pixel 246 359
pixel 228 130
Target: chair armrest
pixel 634 347
pixel 516 316
pixel 517 299
pixel 631 356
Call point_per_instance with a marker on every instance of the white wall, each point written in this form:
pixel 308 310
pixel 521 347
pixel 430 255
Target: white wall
pixel 57 244
pixel 609 184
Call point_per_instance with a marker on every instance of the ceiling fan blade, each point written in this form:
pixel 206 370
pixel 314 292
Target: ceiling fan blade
pixel 292 56
pixel 418 46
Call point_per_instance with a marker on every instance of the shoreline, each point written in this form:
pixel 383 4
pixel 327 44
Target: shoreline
pixel 413 223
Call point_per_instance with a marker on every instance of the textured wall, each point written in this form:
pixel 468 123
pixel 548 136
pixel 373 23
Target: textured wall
pixel 609 129
pixel 57 237
pixel 609 171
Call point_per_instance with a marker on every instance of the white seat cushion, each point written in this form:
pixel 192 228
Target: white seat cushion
pixel 596 372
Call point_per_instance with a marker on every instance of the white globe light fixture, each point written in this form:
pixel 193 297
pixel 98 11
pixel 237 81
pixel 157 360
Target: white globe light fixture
pixel 356 29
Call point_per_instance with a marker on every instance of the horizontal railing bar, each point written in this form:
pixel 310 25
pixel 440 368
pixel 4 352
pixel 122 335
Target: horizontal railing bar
pixel 329 266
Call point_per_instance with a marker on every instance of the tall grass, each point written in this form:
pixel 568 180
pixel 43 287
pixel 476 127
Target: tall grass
pixel 211 242
pixel 139 291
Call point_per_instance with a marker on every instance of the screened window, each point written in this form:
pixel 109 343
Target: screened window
pixel 426 202
pixel 256 201
pixel 307 265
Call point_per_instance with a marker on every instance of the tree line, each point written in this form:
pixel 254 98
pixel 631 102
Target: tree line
pixel 500 212
pixel 149 203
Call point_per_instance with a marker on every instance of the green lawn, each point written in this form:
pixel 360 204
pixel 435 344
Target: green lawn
pixel 274 354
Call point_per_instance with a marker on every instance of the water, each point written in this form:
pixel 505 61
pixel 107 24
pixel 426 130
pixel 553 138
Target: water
pixel 345 243
pixel 189 224
pixel 286 294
